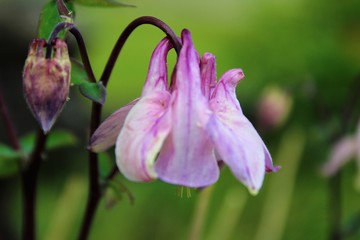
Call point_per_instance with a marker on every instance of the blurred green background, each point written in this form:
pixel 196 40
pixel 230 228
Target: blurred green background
pixel 307 50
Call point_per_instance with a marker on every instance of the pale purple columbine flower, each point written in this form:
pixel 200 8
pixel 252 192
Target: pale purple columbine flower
pixel 179 133
pixel 344 150
pixel 46 82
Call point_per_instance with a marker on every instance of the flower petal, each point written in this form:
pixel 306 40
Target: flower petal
pixel 236 140
pixel 148 123
pixel 208 74
pixel 105 136
pixel 187 157
pixel 145 129
pixel 269 167
pixel 157 74
pixel 240 147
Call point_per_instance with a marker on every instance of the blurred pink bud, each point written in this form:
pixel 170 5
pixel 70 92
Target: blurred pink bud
pixel 357 179
pixel 46 81
pixel 346 149
pixel 341 153
pixel 273 108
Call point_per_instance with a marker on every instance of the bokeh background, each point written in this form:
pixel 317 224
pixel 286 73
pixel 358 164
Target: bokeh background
pixel 304 54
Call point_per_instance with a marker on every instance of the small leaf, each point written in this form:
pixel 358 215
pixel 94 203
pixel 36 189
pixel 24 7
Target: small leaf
pixel 8 166
pixel 8 152
pixel 59 139
pixel 106 165
pixel 114 193
pixel 27 143
pixel 49 18
pixel 94 91
pixel 78 73
pixel 9 161
pixel 56 139
pixel 102 3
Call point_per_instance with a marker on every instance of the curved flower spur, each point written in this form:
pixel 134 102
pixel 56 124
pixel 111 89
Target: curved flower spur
pixel 179 133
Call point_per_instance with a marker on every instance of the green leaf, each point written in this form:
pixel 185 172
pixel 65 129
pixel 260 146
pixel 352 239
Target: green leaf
pixel 94 91
pixel 9 161
pixel 78 73
pixel 102 3
pixel 8 152
pixel 114 193
pixel 59 139
pixel 106 165
pixel 27 143
pixel 56 139
pixel 49 18
pixel 8 166
pixel 9 158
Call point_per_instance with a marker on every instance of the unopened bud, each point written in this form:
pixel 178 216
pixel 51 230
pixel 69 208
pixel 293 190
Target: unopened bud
pixel 46 81
pixel 273 108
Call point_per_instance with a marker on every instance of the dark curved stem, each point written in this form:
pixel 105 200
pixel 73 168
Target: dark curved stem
pixel 58 28
pixel 9 126
pixel 126 33
pixel 29 182
pixel 29 174
pixel 94 183
pixel 81 44
pixel 335 207
pixel 84 55
pixel 112 173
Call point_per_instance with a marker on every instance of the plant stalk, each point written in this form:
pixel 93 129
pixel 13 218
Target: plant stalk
pixel 29 176
pixel 94 184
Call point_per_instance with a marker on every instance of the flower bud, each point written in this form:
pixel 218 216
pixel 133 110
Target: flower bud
pixel 46 81
pixel 273 108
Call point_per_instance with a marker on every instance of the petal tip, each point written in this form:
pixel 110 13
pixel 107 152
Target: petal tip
pixel 90 148
pixel 273 169
pixel 253 191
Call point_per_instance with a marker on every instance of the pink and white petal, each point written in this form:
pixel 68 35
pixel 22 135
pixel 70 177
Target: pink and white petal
pixel 157 74
pixel 269 167
pixel 105 136
pixel 208 74
pixel 342 152
pixel 240 147
pixel 191 165
pixel 224 92
pixel 146 128
pixel 235 138
pixel 187 157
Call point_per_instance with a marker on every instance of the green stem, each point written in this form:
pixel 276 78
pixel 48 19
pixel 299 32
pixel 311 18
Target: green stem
pixel 335 207
pixel 201 209
pixel 94 184
pixel 29 185
pixel 125 35
pixel 9 126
